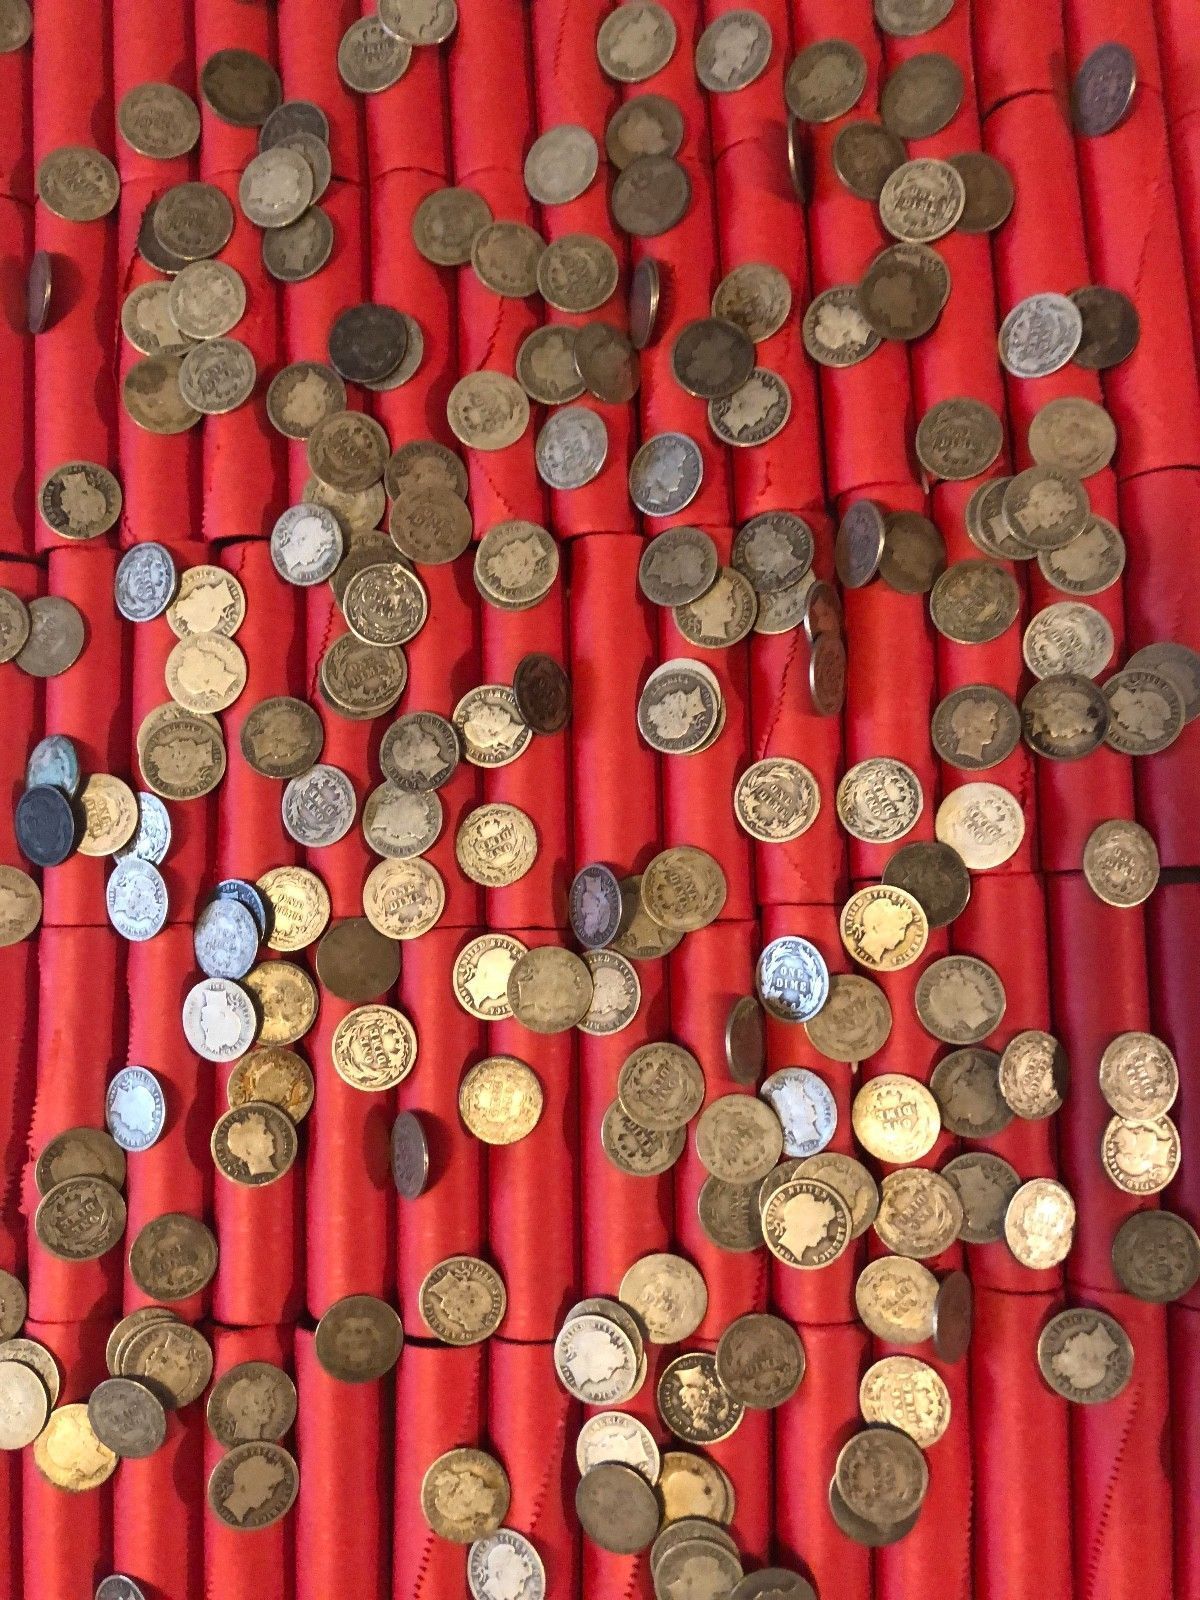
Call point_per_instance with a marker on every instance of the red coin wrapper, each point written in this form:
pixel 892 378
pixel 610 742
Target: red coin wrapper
pixel 1028 1497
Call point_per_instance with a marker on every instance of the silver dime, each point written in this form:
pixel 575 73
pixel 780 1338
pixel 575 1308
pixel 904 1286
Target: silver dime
pixel 733 51
pixel 678 565
pixel 858 548
pixel 1067 637
pixel 1178 665
pixel 1103 90
pixel 835 332
pixel 54 760
pixel 616 993
pixel 635 41
pixel 825 80
pixel 504 1565
pixel 370 58
pixel 401 823
pixel 571 447
pixel 545 365
pixel 1089 564
pixel 596 906
pixel 806 1109
pixel 1040 335
pixel 792 979
pixel 665 474
pixel 577 272
pixel 219 1021
pixel 306 544
pixel 136 898
pixel 644 125
pixel 561 164
pixel 135 1110
pixel 922 201
pixel 145 582
pixel 1045 508
pixel 152 837
pixel 1146 712
pixel 217 376
pixel 318 808
pixel 226 939
pixel 753 413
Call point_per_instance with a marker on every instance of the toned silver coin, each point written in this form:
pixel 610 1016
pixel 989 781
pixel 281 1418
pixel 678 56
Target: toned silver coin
pixel 595 906
pixel 693 1402
pixel 420 22
pixel 1089 564
pixel 193 220
pixel 77 183
pixel 858 549
pixel 430 526
pixel 571 447
pixel 358 1339
pixel 960 999
pixel 922 201
pixel 16 27
pixel 636 1150
pixel 834 329
pixel 902 1392
pixel 959 438
pixel 644 125
pixel 1045 507
pixel 1068 638
pixel 319 806
pixel 505 257
pixel 301 249
pixel 15 623
pixel 605 362
pixel 865 154
pixel 905 19
pixel 895 1298
pixel 217 376
pixel 151 250
pixel 79 500
pixel 577 272
pixel 306 545
pixel 490 726
pixel 738 1138
pixel 487 410
pixel 240 87
pixel 806 1223
pixel 265 1465
pixel 650 195
pixel 645 288
pixel 745 1040
pixel 446 223
pixel 20 906
pixel 728 1214
pixel 1111 326
pixel 1103 89
pixel 281 737
pixel 1039 1224
pixel 276 187
pixel 617 1508
pixel 974 602
pixel 516 564
pixel 754 297
pixel 145 582
pixel 292 117
pixel 1073 434
pixel 385 604
pixel 1178 665
pixel 683 888
pixel 135 1108
pixel 760 1360
pixel 914 552
pixel 854 1022
pixel 975 727
pixel 400 824
pixel 665 474
pixel 370 58
pixel 128 1417
pixel 984 1184
pixel 984 823
pixel 806 1109
pixel 921 96
pixel 1085 1356
pixel 661 1086
pixel 1140 1158
pixel 712 357
pixel 1040 335
pixel 367 342
pixel 616 994
pixel 792 979
pixel 882 1475
pixel 935 876
pixel 546 365
pixel 617 1436
pixel 825 81
pixel 879 800
pixel 733 51
pixel 1156 1256
pixel 1139 1076
pixel 549 989
pixel 151 395
pixel 24 1405
pixel 54 760
pixel 966 1086
pixel 542 692
pixel 561 164
pixel 753 413
pixel 80 1219
pixel 312 148
pixel 496 844
pixel 904 291
pixel 723 615
pixel 1033 1074
pixel 1146 711
pixel 252 1400
pixel 989 191
pixel 635 41
pixel 986 526
pixel 423 464
pixel 347 451
pixel 1120 862
pixel 776 800
pixel 410 363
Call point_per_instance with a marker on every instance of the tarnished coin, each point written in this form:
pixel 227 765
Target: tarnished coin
pixel 446 223
pixel 643 125
pixel 119 1587
pixel 487 410
pixel 825 81
pixel 55 639
pixel 879 800
pixel 665 474
pixel 77 183
pixel 595 906
pixel 46 826
pixel 989 191
pixel 253 1400
pixel 500 1100
pixel 882 1475
pixel 617 1436
pixel 400 823
pixel 834 329
pixel 934 875
pixel 776 800
pixel 281 737
pixel 983 822
pixel 953 1317
pixel 217 376
pixel 760 1360
pixel 1040 335
pixel 865 155
pixel 854 1022
pixel 1091 563
pixel 1111 326
pixel 958 439
pixel 616 993
pixel 16 27
pixel 1120 862
pixel 276 187
pixel 723 615
pixel 974 602
pixel 1178 665
pixel 549 989
pixel 693 1402
pixel 110 815
pixel 15 624
pixel 677 566
pixel 1146 711
pixel 753 413
pixel 348 451
pixel 605 361
pixel 733 51
pixel 1140 1157
pixel 79 1152
pixel 712 357
pixel 298 251
pixel 895 1118
pixel 745 1040
pixel 883 928
pixel 409 1152
pixel 516 564
pixel 645 288
pixel 254 1485
pixel 301 395
pixel 1068 638
pixel 546 365
pixel 20 905
pixel 24 1405
pixel 430 526
pixel 921 95
pixel 754 297
pixel 617 1508
pixel 914 552
pixel 895 1298
pixel 984 1184
pixel 738 1138
pixel 1039 1224
pixel 806 1223
pixel 729 1215
pixel 905 19
pixel 1103 89
pixel 503 1563
pixel 966 1086
pixel 636 1150
pixel 1033 1074
pixel 505 257
pixel 635 41
pixel 642 939
pixel 367 342
pixel 792 979
pixel 54 760
pixel 464 1495
pixel 403 899
pixel 1073 434
pixel 650 195
pixel 462 1300
pixel 240 87
pixel 80 500
pixel 151 394
pixel 669 1296
pixel 358 1339
pixel 370 58
pixel 571 447
pixel 904 291
pixel 173 1257
pixel 902 1392
pixel 491 727
pixel 319 806
pixel 254 1143
pixel 1139 1076
pixel 1156 1256
pixel 960 999
pixel 127 1417
pixel 542 692
pixel 1085 1356
pixel 693 1564
pixel 80 1218
pixel 683 888
pixel 661 1086
pixel 560 164
pixel 921 201
pixel 848 1178
pixel 193 220
pixel 275 1075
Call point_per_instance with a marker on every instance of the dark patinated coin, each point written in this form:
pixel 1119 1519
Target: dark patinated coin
pixel 290 118
pixel 1064 716
pixel 645 290
pixel 356 963
pixel 859 546
pixel 650 196
pixel 903 291
pixel 1111 326
pixel 935 875
pixel 959 438
pixel 596 906
pixel 410 1155
pixel 46 825
pixel 1103 90
pixel 367 342
pixel 240 87
pixel 825 81
pixel 914 552
pixel 865 154
pixel 543 693
pixel 989 189
pixel 921 96
pixel 1179 665
pixel 745 1040
pixel 975 727
pixel 606 362
pixel 712 357
pixel 38 289
pixel 986 527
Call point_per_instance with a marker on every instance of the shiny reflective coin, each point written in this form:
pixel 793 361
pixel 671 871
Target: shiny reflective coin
pixel 989 191
pixel 318 808
pixel 958 439
pixel 836 334
pixel 487 410
pixel 983 822
pixel 464 1495
pixel 219 1020
pixel 561 164
pixel 1140 1157
pixel 1103 89
pixel 225 937
pixel 1111 326
pixel 904 290
pixel 462 1300
pixel 135 897
pixel 1146 711
pixel 921 95
pixel 960 999
pixel 571 447
pixel 792 979
pixel 501 1560
pixel 370 58
pixel 806 1109
pixel 1040 335
pixel 617 1436
pixel 1068 639
pixel 298 251
pixel 921 201
pixel 119 1587
pixel 644 293
pixel 77 183
pixel 650 196
pixel 1039 1224
pixel 825 81
pixel 1073 434
pixel 914 552
pixel 1085 1356
pixel 1120 862
pixel 146 582
pixel 1156 1256
pixel 934 875
pixel 864 156
pixel 806 1224
pixel 635 41
pixel 542 692
pixel 306 545
pixel 491 727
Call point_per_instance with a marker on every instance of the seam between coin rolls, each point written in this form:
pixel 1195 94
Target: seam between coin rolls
pixel 1110 1489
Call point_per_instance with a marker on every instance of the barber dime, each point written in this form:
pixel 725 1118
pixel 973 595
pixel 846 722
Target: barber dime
pixel 577 272
pixel 560 164
pixel 636 1150
pixel 173 1257
pixel 1156 1256
pixel 806 1223
pixel 275 1075
pixel 959 439
pixel 254 1485
pixel 1139 1076
pixel 895 1298
pixel 974 602
pixel 446 223
pixel 1085 1356
pixel 571 448
pixel 776 800
pixel 1140 1157
pixel 1146 711
pixel 661 1086
pixel 904 290
pixel 883 927
pixel 500 1100
pixel 989 191
pixel 879 800
pixel 1064 717
pixel 835 331
pixel 1040 335
pixel 792 979
pixel 914 552
pixel 20 905
pixel 254 1144
pixel 1090 563
pixel 908 1394
pixel 960 999
pixel 650 196
pixel 370 58
pixel 1111 326
pixel 77 183
pixel 921 201
pixel 549 989
pixel 1074 434
pixel 635 41
pixel 595 906
pixel 496 845
pixel 983 822
pixel 462 1300
pixel 966 1086
pixel 1120 862
pixel 854 1022
pixel 252 1400
pixel 693 1402
pixel 1103 89
pixel 825 81
pixel 984 1184
pixel 1033 1074
pixel 68 1454
pixel 1040 1223
pixel 760 1360
pixel 464 1495
pixel 896 1119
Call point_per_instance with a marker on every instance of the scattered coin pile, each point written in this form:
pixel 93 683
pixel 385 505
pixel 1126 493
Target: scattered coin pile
pixel 771 1178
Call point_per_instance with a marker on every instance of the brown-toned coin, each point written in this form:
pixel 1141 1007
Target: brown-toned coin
pixel 989 191
pixel 1156 1256
pixel 935 876
pixel 80 1218
pixel 636 1150
pixel 250 1401
pixel 275 1075
pixel 865 154
pixel 760 1360
pixel 254 1485
pixel 1085 1356
pixel 358 1339
pixel 855 1020
pixel 254 1143
pixel 173 1257
pixel 650 196
pixel 462 1300
pixel 128 1417
pixel 904 291
pixel 914 552
pixel 1111 326
pixel 356 962
pixel 171 1357
pixel 464 1495
pixel 693 1402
